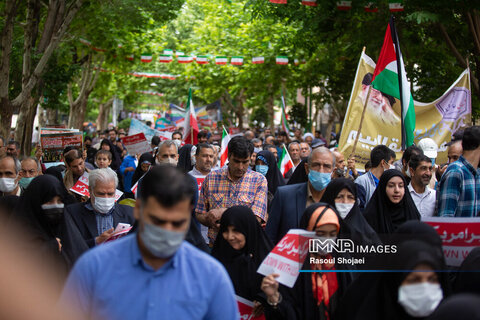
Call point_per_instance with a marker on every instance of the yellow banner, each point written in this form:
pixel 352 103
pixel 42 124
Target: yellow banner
pixel 437 120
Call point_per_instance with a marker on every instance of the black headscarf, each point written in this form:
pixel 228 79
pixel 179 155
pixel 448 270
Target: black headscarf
pixel 185 158
pixel 360 231
pixel 274 176
pixel 468 277
pixel 300 174
pixel 147 156
pixel 116 157
pixel 7 206
pixel 383 215
pixel 242 264
pixel 56 171
pixel 464 306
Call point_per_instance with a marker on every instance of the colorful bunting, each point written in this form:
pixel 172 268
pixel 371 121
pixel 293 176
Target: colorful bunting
pixel 279 1
pixel 184 59
pixel 258 60
pixel 146 57
pixel 282 60
pixel 221 60
pixel 344 5
pixel 395 5
pixel 371 6
pixel 130 57
pixel 311 3
pixel 165 58
pixel 202 59
pixel 168 52
pixel 237 61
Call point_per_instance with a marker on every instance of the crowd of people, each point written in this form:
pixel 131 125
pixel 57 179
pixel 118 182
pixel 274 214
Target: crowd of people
pixel 186 237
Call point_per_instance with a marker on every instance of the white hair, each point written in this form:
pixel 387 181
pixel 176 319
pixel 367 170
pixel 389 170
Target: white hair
pixel 103 175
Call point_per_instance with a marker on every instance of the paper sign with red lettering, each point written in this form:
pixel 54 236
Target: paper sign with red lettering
pixel 245 307
pixel 287 258
pixel 459 236
pixel 136 144
pixel 199 182
pixel 81 187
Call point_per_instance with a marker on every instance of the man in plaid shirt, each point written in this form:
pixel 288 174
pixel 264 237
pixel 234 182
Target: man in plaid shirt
pixel 459 187
pixel 232 185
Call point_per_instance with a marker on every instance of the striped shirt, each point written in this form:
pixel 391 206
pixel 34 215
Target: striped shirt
pixel 104 220
pixel 220 191
pixel 459 190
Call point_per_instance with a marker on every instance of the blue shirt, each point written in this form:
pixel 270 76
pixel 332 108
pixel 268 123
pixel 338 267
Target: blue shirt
pixel 459 190
pixel 112 281
pixel 129 161
pixel 104 220
pixel 369 182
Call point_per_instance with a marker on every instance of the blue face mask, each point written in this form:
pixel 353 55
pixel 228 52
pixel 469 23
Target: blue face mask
pixel 24 182
pixel 261 168
pixel 319 180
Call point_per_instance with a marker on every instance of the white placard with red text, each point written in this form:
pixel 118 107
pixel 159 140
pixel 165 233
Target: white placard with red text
pixel 287 257
pixel 136 144
pixel 459 236
pixel 81 187
pixel 245 307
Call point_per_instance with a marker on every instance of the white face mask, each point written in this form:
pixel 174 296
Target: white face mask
pixel 7 184
pixel 343 208
pixel 172 161
pixel 391 166
pixel 103 205
pixel 420 299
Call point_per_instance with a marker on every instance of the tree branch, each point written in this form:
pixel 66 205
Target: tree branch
pixel 473 30
pixel 460 59
pixel 6 47
pixel 91 86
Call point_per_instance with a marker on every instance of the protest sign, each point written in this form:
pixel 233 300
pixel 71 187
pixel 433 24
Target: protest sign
pixel 136 144
pixel 136 126
pixel 81 187
pixel 437 120
pixel 245 307
pixel 459 236
pixel 54 142
pixel 287 257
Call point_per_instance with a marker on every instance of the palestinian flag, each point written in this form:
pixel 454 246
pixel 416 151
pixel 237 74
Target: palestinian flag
pixel 146 57
pixel 390 78
pixel 279 1
pixel 395 5
pixel 258 60
pixel 221 60
pixel 344 5
pixel 184 59
pixel 285 163
pixel 191 125
pixel 165 58
pixel 371 6
pixel 130 57
pixel 284 118
pixel 202 59
pixel 168 52
pixel 282 60
pixel 311 3
pixel 236 61
pixel 224 151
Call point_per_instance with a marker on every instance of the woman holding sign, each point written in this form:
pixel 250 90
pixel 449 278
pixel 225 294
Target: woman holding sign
pixel 315 294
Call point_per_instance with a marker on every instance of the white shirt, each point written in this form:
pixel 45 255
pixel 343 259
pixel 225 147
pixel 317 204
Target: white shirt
pixel 425 202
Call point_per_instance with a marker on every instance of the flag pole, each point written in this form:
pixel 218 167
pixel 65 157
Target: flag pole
pixel 354 148
pixel 191 134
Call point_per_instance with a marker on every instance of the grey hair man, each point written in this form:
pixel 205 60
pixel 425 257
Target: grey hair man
pixel 9 176
pixel 167 152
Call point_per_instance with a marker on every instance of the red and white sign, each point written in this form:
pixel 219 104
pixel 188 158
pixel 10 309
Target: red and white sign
pixel 136 144
pixel 199 182
pixel 81 187
pixel 459 236
pixel 245 307
pixel 287 258
pixel 121 230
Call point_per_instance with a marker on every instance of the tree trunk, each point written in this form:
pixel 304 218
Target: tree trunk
pixel 103 111
pixel 240 110
pixel 77 113
pixel 270 109
pixel 51 116
pixel 6 112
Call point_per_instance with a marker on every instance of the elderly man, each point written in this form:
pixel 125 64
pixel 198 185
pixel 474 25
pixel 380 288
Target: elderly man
pixel 9 175
pixel 305 150
pixel 13 148
pixel 97 218
pixel 290 201
pixel 30 168
pixel 167 152
pixel 153 273
pixel 230 186
pixel 294 152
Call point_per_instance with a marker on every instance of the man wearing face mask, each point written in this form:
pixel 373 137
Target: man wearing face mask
pixel 162 275
pixel 30 168
pixel 382 159
pixel 167 152
pixel 290 201
pixel 9 176
pixel 97 218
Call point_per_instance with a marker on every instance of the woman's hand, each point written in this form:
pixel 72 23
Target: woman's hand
pixel 257 309
pixel 270 287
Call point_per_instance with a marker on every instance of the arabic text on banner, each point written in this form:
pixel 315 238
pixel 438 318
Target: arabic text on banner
pixel 53 144
pixel 136 126
pixel 136 144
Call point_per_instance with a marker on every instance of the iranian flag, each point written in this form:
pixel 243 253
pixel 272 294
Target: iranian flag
pixel 146 57
pixel 390 78
pixel 311 3
pixel 285 163
pixel 237 61
pixel 165 58
pixel 371 7
pixel 179 53
pixel 130 57
pixel 258 60
pixel 282 60
pixel 284 118
pixel 395 5
pixel 224 151
pixel 221 60
pixel 191 126
pixel 202 59
pixel 279 1
pixel 168 52
pixel 344 5
pixel 296 62
pixel 184 59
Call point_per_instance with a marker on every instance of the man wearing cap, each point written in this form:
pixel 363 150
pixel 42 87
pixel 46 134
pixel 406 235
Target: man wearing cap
pixel 430 149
